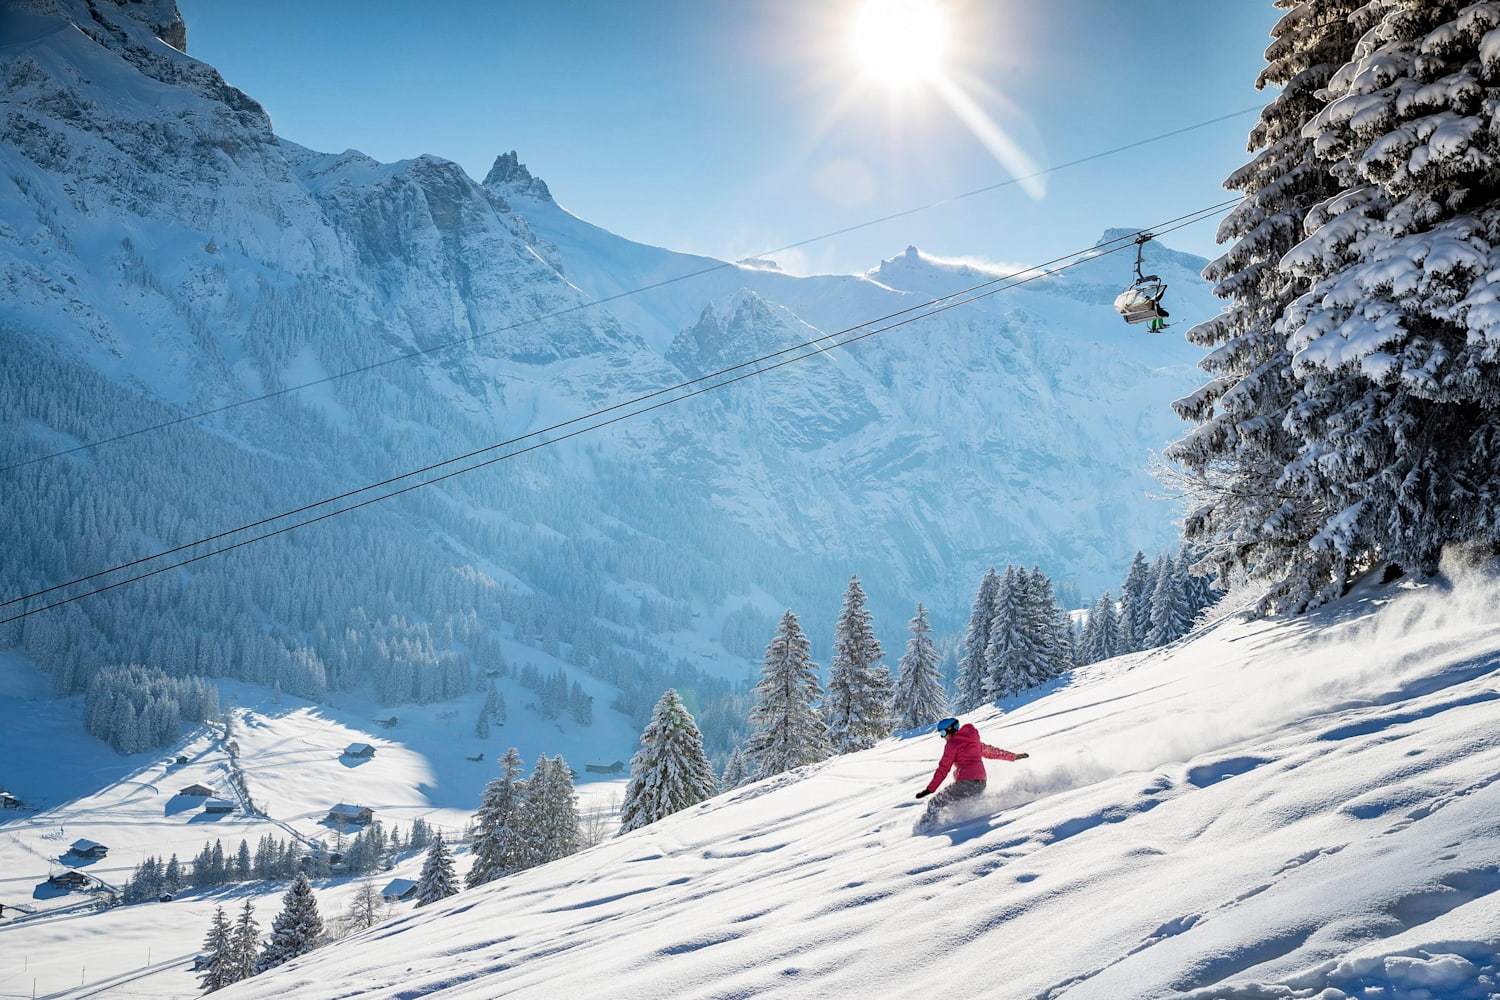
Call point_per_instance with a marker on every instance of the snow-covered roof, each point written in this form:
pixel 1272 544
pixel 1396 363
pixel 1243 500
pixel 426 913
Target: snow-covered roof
pixel 218 805
pixel 346 809
pixel 358 750
pixel 398 887
pixel 84 846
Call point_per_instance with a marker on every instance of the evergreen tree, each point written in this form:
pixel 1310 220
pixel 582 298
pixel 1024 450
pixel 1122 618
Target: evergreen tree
pixel 789 729
pixel 297 929
pixel 1398 382
pixel 1135 606
pixel 499 840
pixel 482 726
pixel 421 834
pixel 551 812
pixel 973 668
pixel 1066 634
pixel 1100 632
pixel 437 880
pixel 734 770
pixel 219 946
pixel 1050 623
pixel 859 685
pixel 1170 616
pixel 1201 591
pixel 1251 517
pixel 670 771
pixel 919 697
pixel 246 942
pixel 1017 654
pixel 242 865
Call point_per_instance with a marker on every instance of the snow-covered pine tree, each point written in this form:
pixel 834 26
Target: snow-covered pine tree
pixel 1135 606
pixel 1200 588
pixel 789 729
pixel 437 880
pixel 1250 518
pixel 1100 632
pixel 219 946
pixel 859 685
pixel 421 834
pixel 1067 641
pixel 246 942
pixel 499 838
pixel 919 697
pixel 552 811
pixel 734 770
pixel 1017 654
pixel 1394 343
pixel 973 668
pixel 670 771
pixel 1170 616
pixel 297 929
pixel 1044 618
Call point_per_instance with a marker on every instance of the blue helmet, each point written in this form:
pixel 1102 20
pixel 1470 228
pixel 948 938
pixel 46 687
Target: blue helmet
pixel 948 727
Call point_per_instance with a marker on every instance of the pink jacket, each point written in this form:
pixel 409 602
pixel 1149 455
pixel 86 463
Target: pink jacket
pixel 966 751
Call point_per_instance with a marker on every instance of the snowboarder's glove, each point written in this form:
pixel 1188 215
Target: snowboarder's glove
pixel 1022 756
pixel 923 793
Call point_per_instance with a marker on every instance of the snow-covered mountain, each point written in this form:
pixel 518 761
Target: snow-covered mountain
pixel 162 251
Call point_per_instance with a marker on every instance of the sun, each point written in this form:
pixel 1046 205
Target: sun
pixel 901 43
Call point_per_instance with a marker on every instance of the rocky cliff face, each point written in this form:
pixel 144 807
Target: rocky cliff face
pixel 163 251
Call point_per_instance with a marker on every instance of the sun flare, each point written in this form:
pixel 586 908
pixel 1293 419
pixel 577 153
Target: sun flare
pixel 901 42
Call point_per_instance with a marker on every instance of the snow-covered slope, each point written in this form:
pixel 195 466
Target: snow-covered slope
pixel 1309 806
pixel 289 754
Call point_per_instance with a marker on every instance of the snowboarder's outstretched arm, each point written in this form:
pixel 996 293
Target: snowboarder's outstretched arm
pixel 995 753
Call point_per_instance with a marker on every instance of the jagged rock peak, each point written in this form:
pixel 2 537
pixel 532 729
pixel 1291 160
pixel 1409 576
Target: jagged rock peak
pixel 510 176
pixel 162 17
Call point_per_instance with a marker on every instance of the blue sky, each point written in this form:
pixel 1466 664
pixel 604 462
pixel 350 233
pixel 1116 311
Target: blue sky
pixel 728 128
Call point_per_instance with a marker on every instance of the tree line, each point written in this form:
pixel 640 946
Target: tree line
pixel 272 859
pixel 135 707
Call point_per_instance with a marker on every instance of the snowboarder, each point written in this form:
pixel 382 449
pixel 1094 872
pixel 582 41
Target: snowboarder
pixel 964 749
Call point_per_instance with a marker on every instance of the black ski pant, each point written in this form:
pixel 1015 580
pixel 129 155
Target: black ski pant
pixel 956 792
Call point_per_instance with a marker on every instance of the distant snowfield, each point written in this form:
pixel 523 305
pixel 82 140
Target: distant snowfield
pixel 78 787
pixel 1304 808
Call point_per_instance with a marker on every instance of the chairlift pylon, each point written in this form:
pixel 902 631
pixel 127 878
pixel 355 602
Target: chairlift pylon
pixel 1141 302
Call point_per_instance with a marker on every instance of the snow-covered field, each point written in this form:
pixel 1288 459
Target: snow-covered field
pixel 1303 808
pixel 77 787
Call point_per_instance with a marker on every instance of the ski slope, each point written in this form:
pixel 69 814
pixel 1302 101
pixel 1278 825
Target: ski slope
pixel 1268 809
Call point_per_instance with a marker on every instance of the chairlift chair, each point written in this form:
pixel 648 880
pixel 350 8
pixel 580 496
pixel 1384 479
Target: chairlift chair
pixel 1141 302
